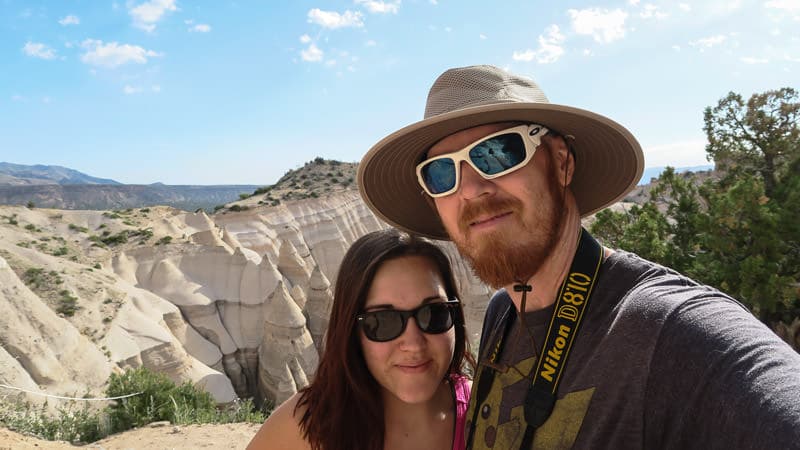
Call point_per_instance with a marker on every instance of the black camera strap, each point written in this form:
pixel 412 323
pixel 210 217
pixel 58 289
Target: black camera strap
pixel 571 304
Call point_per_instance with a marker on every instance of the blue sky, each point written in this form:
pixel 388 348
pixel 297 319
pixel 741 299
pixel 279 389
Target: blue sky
pixel 239 92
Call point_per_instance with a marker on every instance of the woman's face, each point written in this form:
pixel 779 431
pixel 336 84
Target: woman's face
pixel 411 367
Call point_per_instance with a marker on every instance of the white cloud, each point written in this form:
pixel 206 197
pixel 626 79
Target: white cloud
pixel 677 154
pixel 112 54
pixel 603 25
pixel 787 5
pixel 750 60
pixel 17 98
pixel 147 14
pixel 70 20
pixel 708 42
pixel 684 7
pixel 433 2
pixel 370 43
pixel 482 36
pixel 305 39
pixel 312 54
pixel 587 52
pixel 790 58
pixel 448 29
pixel 549 48
pixel 46 99
pixel 380 7
pixel 201 28
pixel 633 2
pixel 677 48
pixel 155 88
pixel 130 90
pixel 651 11
pixel 38 50
pixel 334 20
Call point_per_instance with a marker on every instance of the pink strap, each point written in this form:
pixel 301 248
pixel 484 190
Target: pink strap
pixel 461 389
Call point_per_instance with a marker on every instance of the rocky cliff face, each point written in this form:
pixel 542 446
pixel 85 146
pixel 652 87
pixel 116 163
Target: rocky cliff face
pixel 236 302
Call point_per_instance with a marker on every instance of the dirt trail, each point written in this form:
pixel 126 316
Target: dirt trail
pixel 224 436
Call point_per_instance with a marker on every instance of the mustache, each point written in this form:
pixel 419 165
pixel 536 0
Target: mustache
pixel 485 208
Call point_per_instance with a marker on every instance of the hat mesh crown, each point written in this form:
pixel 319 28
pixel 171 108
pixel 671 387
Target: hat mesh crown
pixel 468 87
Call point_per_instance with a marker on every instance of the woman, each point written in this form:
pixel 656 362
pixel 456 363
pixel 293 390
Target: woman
pixel 391 373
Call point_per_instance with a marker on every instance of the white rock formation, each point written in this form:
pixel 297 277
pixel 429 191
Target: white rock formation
pixel 236 302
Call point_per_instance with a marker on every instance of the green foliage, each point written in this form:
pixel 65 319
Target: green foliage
pixel 144 234
pixel 262 190
pixel 159 399
pixel 319 160
pixel 30 204
pixel 115 239
pixel 237 208
pixel 67 304
pixel 61 251
pixel 244 196
pixel 757 137
pixel 740 232
pixel 164 240
pixel 74 227
pixel 70 423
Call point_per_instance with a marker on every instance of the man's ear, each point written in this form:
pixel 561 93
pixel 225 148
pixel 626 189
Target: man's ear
pixel 563 159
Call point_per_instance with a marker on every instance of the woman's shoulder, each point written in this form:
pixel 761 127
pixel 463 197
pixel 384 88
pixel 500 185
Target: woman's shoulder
pixel 282 428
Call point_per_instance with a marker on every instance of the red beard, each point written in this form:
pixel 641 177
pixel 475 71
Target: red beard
pixel 503 257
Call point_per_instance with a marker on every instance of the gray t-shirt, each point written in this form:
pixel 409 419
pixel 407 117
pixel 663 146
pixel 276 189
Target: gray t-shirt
pixel 659 362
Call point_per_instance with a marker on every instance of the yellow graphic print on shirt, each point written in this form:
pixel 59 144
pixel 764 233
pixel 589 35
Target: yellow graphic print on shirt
pixel 503 428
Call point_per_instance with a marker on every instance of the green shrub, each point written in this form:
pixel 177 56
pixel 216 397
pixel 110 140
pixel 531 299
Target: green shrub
pixel 119 238
pixel 160 399
pixel 244 196
pixel 164 240
pixel 74 227
pixel 67 304
pixel 70 423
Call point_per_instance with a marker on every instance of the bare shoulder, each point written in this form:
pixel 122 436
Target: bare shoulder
pixel 281 430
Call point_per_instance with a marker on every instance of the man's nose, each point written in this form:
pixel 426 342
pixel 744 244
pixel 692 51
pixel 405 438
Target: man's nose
pixel 472 184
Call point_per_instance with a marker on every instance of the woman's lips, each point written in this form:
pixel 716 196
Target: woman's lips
pixel 414 367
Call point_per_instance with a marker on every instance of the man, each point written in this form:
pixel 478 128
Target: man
pixel 582 346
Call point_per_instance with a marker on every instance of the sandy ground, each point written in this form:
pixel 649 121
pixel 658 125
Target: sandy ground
pixel 231 436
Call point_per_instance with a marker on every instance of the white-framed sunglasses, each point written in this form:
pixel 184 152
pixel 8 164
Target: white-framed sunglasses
pixel 491 156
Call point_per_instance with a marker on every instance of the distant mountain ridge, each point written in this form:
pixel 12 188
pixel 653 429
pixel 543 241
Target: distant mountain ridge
pixel 24 175
pixel 63 188
pixel 654 172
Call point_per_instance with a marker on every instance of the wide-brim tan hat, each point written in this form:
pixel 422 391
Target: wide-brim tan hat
pixel 609 160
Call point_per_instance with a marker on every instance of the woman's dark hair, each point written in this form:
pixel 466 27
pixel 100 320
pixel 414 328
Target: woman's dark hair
pixel 343 405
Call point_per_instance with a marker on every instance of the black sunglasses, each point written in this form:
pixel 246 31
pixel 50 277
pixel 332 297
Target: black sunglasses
pixel 387 324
